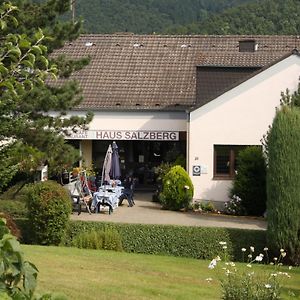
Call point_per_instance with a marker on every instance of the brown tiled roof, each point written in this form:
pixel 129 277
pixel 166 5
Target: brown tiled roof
pixel 159 72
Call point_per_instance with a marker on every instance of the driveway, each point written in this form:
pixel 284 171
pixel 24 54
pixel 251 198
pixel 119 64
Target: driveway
pixel 147 212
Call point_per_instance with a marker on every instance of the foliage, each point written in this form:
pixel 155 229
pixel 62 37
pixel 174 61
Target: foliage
pixel 184 241
pixel 283 177
pixel 15 208
pixel 207 206
pixel 178 189
pixel 9 226
pixel 17 277
pixel 255 17
pixel 108 239
pixel 234 206
pixel 49 208
pixel 3 227
pixel 144 17
pixel 250 181
pixel 242 282
pixel 28 134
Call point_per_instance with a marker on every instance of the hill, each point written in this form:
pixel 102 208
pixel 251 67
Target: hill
pixel 146 16
pixel 258 17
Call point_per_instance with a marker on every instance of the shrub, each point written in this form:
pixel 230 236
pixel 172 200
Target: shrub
pixel 234 206
pixel 15 208
pixel 108 239
pixel 178 190
pixel 49 207
pixel 283 177
pixel 250 181
pixel 207 206
pixel 245 282
pixel 3 227
pixel 10 226
pixel 184 241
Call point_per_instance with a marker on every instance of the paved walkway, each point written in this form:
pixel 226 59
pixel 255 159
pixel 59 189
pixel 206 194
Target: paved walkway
pixel 147 212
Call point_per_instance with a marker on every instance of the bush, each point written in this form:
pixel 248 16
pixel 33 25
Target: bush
pixel 283 177
pixel 184 241
pixel 250 181
pixel 108 239
pixel 9 226
pixel 49 208
pixel 234 206
pixel 15 208
pixel 247 283
pixel 207 206
pixel 177 191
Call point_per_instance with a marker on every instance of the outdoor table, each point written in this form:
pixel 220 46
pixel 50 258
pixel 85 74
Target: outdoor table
pixel 107 196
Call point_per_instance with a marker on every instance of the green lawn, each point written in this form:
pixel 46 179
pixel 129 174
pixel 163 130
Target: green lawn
pixel 94 274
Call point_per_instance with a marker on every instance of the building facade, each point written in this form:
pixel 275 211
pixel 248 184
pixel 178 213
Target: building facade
pixel 159 97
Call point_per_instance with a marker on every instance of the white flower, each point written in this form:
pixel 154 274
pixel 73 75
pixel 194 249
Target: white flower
pixel 224 247
pixel 281 250
pixel 218 258
pixel 275 258
pixel 186 187
pixel 250 255
pixel 274 274
pixel 252 249
pixel 266 249
pixel 249 266
pixel 283 254
pixel 258 258
pixel 222 243
pixel 208 279
pixel 290 267
pixel 268 286
pixel 260 254
pixel 244 249
pixel 212 264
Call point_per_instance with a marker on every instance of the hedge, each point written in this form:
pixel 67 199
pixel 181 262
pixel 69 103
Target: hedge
pixel 172 240
pixel 184 241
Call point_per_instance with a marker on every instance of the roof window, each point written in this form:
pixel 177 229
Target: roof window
pixel 89 44
pixel 186 46
pixel 248 46
pixel 137 45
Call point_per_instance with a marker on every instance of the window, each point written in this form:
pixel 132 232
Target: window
pixel 225 161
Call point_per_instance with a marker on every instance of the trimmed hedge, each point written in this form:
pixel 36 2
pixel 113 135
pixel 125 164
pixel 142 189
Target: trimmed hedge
pixel 184 241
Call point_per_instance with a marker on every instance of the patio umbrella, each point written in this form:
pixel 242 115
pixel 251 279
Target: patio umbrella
pixel 115 170
pixel 106 165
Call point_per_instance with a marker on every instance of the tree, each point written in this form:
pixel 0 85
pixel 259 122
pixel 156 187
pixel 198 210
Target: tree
pixel 29 135
pixel 250 181
pixel 283 177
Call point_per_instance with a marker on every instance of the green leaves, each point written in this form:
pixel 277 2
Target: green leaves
pixel 17 277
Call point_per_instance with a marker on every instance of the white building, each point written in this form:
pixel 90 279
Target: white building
pixel 204 97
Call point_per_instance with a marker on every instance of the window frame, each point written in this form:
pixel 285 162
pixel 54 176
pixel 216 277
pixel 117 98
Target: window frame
pixel 233 153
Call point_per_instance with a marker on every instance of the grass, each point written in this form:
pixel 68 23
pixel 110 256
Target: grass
pixel 95 274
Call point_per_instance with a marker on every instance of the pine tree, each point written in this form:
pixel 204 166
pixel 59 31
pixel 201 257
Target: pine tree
pixel 283 177
pixel 29 135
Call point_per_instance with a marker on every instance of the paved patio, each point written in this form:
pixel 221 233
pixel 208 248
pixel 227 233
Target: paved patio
pixel 147 212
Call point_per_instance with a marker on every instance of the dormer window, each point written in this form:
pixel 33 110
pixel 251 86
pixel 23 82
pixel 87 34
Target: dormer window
pixel 248 46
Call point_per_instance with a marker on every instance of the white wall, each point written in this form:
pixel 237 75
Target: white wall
pixel 240 116
pixel 135 120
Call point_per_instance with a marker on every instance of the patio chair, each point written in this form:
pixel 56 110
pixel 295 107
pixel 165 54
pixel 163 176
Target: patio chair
pixel 78 196
pixel 128 192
